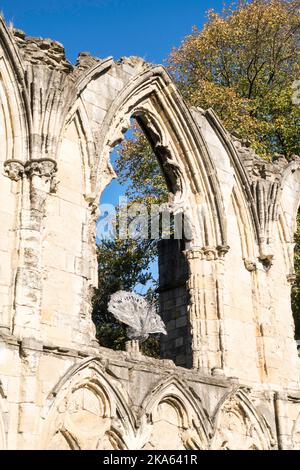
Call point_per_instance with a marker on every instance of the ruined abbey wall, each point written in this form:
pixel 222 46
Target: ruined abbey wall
pixel 232 382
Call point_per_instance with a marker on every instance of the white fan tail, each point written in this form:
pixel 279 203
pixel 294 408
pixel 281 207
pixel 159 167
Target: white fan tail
pixel 133 310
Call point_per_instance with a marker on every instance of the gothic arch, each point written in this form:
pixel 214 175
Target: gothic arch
pixel 86 411
pixel 239 426
pixel 152 99
pixel 93 73
pixel 242 179
pixel 247 235
pixel 13 99
pixel 174 410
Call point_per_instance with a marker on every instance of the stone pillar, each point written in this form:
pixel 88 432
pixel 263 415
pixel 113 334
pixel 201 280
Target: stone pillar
pixel 30 350
pixel 38 182
pixel 191 303
pixel 14 170
pixel 205 311
pixel 282 421
pixel 87 268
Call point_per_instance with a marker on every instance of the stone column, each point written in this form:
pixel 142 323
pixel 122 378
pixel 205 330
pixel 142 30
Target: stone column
pixel 205 311
pixel 14 170
pixel 37 184
pixel 282 421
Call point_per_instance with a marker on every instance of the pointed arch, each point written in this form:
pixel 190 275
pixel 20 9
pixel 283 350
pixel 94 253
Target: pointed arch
pixel 240 172
pixel 174 405
pixel 78 116
pixel 93 73
pixel 87 410
pixel 13 98
pixel 238 425
pixel 152 99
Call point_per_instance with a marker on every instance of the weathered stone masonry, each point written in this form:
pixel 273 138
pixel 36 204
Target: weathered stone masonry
pixel 231 333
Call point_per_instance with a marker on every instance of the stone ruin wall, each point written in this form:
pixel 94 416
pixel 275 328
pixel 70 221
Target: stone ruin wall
pixel 229 376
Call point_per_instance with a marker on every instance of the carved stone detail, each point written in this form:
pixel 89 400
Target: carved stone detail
pixel 222 250
pixel 265 184
pixel 14 169
pixel 42 167
pixel 250 265
pixel 238 427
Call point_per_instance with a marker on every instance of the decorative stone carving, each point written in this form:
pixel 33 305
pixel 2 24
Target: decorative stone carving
pixel 210 253
pixel 239 427
pixel 85 416
pixel 167 432
pixel 222 250
pixel 175 419
pixel 42 167
pixel 250 265
pixel 14 169
pixel 41 173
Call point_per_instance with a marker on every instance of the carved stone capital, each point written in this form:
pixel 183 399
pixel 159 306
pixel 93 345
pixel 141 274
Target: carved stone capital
pixel 42 167
pixel 250 265
pixel 210 253
pixel 41 173
pixel 222 250
pixel 14 169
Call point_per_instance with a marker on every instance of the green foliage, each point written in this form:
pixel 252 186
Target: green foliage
pixel 137 165
pixel 243 64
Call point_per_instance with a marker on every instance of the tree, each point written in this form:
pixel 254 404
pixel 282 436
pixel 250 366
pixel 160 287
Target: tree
pixel 137 167
pixel 242 64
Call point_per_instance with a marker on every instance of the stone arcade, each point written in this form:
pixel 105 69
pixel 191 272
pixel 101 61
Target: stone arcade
pixel 229 373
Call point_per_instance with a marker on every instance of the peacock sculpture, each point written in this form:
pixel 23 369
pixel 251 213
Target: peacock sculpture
pixel 140 316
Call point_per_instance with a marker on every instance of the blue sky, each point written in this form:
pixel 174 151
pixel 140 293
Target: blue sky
pixel 148 28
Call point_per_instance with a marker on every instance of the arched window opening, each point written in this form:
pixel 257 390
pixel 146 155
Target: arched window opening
pixel 140 244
